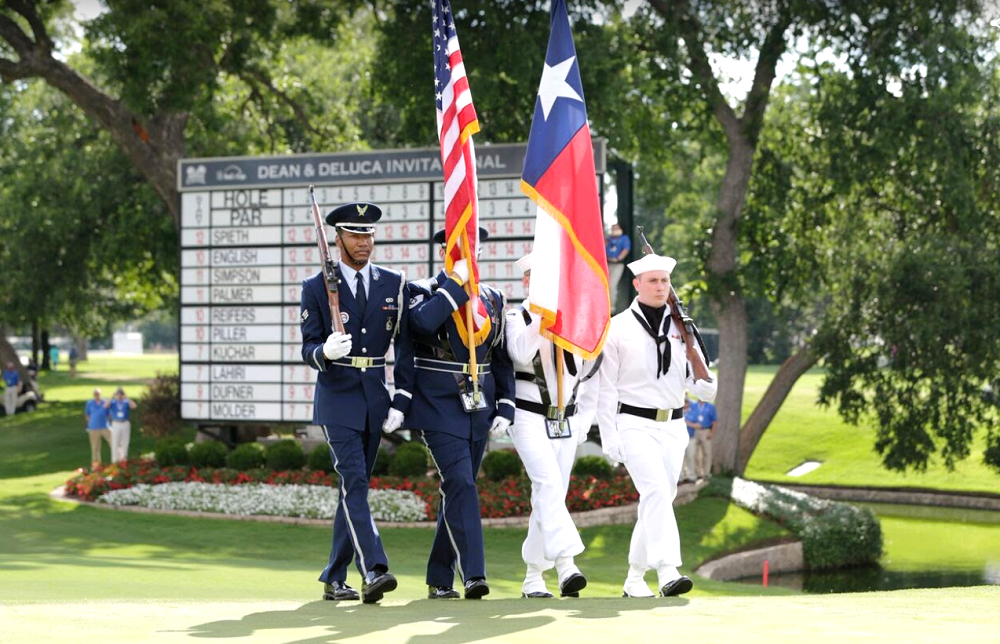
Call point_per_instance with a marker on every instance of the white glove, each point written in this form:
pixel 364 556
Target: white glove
pixel 499 427
pixel 337 345
pixel 616 453
pixel 460 269
pixel 582 426
pixel 393 421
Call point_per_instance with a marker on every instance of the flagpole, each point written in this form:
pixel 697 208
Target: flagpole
pixel 470 332
pixel 559 377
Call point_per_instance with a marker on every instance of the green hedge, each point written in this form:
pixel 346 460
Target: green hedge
pixel 410 461
pixel 833 534
pixel 285 455
pixel 208 454
pixel 246 457
pixel 596 466
pixel 502 463
pixel 171 451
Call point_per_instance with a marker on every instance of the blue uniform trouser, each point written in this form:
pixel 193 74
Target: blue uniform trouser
pixel 354 532
pixel 458 541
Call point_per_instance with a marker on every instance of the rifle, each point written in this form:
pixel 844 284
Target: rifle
pixel 328 266
pixel 689 330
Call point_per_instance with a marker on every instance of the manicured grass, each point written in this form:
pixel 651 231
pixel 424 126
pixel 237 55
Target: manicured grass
pixel 915 617
pixel 920 538
pixel 804 431
pixel 107 372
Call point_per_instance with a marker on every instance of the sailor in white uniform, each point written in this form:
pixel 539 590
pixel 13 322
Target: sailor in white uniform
pixel 547 446
pixel 644 374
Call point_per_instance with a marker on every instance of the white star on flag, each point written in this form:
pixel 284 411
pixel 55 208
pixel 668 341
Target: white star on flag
pixel 554 85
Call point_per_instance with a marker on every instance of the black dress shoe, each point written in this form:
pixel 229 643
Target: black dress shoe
pixel 442 592
pixel 572 585
pixel 339 591
pixel 376 585
pixel 538 594
pixel 676 587
pixel 476 589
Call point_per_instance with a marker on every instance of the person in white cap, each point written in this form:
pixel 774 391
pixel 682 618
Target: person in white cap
pixel 547 446
pixel 643 376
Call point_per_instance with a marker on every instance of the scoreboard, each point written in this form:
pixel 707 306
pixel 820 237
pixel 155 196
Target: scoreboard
pixel 248 240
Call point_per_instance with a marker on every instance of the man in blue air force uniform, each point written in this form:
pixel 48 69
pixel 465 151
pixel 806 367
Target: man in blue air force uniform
pixel 352 400
pixel 455 426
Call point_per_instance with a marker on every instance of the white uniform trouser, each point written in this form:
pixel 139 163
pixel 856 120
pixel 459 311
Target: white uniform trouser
pixel 121 432
pixel 655 453
pixel 551 531
pixel 10 400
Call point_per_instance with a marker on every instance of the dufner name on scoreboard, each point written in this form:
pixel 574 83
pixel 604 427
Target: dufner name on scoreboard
pixel 247 242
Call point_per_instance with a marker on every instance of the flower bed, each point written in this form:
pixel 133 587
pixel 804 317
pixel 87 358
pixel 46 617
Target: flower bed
pixel 510 497
pixel 309 501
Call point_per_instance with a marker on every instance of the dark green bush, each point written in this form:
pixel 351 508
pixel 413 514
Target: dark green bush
pixel 844 535
pixel 158 411
pixel 502 463
pixel 410 461
pixel 595 466
pixel 382 462
pixel 208 454
pixel 833 534
pixel 248 456
pixel 285 455
pixel 320 459
pixel 171 451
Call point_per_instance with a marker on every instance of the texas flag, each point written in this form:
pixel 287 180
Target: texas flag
pixel 569 274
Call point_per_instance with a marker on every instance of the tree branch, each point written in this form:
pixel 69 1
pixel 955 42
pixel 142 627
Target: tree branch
pixel 11 71
pixel 679 13
pixel 29 12
pixel 770 52
pixel 15 37
pixel 262 79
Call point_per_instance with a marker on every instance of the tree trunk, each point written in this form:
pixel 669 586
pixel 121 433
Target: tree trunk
pixel 774 397
pixel 728 305
pixel 46 364
pixel 34 341
pixel 81 347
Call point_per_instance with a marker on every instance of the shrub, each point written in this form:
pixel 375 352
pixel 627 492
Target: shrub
pixel 382 462
pixel 594 466
pixel 833 534
pixel 285 455
pixel 246 457
pixel 208 454
pixel 320 459
pixel 171 451
pixel 159 409
pixel 501 463
pixel 409 461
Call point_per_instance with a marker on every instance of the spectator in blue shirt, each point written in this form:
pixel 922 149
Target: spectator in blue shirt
pixel 703 418
pixel 96 414
pixel 54 356
pixel 12 386
pixel 617 248
pixel 121 428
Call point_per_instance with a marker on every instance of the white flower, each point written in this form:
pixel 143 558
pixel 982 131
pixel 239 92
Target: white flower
pixel 310 501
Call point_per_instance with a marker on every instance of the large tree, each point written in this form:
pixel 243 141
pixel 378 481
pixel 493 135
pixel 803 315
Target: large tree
pixel 878 43
pixel 159 62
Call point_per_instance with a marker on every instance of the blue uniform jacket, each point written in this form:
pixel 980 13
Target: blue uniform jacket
pixel 436 401
pixel 345 396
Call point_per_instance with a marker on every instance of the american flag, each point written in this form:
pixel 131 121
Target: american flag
pixel 457 122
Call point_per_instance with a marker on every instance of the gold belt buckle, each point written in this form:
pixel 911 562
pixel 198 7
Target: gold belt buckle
pixel 554 413
pixel 362 362
pixel 663 415
pixel 480 369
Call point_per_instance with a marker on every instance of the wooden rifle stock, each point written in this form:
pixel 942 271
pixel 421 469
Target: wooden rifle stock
pixel 329 267
pixel 689 332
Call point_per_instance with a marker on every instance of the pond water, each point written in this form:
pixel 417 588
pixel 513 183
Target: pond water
pixel 924 548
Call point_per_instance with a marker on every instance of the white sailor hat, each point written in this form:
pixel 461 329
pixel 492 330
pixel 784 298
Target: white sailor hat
pixel 652 262
pixel 524 264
